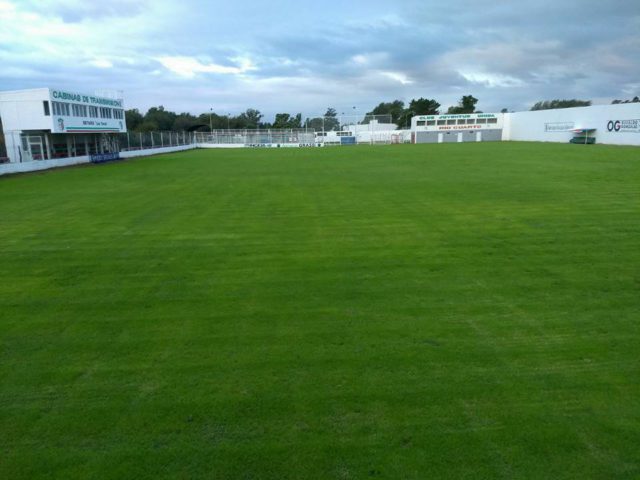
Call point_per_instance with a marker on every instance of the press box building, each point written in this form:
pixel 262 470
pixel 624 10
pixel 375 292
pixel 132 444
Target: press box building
pixel 47 123
pixel 467 127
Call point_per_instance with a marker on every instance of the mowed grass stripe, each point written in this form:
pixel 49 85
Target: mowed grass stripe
pixel 428 311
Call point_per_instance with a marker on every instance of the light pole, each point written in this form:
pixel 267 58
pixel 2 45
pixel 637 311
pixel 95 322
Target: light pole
pixel 211 120
pixel 228 115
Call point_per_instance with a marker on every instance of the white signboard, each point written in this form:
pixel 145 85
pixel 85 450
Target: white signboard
pixel 559 126
pixel 79 113
pixel 625 126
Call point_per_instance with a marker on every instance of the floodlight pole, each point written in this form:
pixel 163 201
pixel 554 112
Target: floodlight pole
pixel 211 120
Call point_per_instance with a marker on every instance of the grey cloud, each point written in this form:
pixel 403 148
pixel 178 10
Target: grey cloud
pixel 507 54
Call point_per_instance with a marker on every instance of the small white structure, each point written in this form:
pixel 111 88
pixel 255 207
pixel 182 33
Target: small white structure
pixel 466 127
pixel 48 123
pixel 373 131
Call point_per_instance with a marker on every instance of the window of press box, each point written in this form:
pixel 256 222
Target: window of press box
pixel 45 105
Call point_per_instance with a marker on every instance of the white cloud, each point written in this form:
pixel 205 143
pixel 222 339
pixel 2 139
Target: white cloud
pixel 398 77
pixel 492 80
pixel 189 67
pixel 101 63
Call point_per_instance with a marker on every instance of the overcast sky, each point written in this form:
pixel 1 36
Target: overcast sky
pixel 296 56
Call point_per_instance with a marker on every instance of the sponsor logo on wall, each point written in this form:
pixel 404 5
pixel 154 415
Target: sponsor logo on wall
pixel 558 126
pixel 105 157
pixel 625 126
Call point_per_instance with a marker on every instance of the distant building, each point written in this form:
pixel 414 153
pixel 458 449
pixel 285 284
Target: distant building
pixel 617 124
pixel 465 127
pixel 47 123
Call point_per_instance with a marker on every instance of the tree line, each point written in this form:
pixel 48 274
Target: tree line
pixel 399 113
pixel 158 118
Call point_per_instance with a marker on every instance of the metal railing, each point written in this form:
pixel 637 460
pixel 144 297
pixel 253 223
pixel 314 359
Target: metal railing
pixel 145 140
pixel 256 137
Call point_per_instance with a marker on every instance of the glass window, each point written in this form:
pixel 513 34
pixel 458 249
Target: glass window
pixel 462 121
pixel 45 105
pixel 492 120
pixel 471 121
pixel 451 122
pixel 481 120
pixel 431 123
pixel 442 122
pixel 420 123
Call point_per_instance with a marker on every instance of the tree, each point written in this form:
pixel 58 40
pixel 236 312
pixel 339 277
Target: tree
pixel 467 104
pixel 633 100
pixel 161 117
pixel 133 118
pixel 249 119
pixel 424 106
pixel 148 126
pixel 554 104
pixel 395 110
pixel 284 120
pixel 504 110
pixel 331 121
pixel 184 121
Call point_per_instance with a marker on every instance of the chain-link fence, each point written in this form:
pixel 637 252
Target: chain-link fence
pixel 257 137
pixel 145 140
pixel 350 121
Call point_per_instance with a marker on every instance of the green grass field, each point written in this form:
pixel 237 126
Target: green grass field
pixel 403 312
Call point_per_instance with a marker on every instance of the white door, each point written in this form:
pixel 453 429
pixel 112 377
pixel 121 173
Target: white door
pixel 459 137
pixel 440 138
pixel 35 151
pixel 478 136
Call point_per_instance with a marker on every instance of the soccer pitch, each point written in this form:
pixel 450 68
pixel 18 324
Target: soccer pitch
pixel 401 312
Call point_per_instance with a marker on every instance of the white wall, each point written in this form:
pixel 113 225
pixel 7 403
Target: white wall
pixel 23 110
pixel 555 125
pixel 8 168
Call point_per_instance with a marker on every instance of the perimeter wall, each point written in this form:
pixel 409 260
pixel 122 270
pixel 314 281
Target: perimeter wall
pixel 614 124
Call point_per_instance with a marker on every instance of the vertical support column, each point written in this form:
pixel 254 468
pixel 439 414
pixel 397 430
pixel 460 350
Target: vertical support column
pixel 48 146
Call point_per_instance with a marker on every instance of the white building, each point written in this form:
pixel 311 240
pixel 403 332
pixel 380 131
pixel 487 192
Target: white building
pixel 373 131
pixel 608 124
pixel 466 127
pixel 47 123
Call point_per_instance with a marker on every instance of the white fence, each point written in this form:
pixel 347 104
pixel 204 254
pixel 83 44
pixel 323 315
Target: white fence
pixel 255 138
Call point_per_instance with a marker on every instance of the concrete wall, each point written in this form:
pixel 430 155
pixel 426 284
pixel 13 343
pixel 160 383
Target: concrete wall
pixel 23 110
pixel 8 168
pixel 555 125
pixel 457 136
